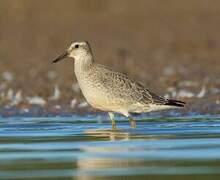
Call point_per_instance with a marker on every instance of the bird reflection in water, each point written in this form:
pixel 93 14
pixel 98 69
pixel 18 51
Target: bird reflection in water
pixel 104 162
pixel 112 134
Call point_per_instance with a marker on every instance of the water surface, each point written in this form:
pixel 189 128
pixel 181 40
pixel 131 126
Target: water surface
pixel 86 148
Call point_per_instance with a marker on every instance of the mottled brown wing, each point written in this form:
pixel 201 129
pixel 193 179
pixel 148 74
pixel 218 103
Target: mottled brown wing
pixel 147 96
pixel 130 88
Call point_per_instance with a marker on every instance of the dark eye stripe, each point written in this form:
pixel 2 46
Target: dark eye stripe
pixel 77 46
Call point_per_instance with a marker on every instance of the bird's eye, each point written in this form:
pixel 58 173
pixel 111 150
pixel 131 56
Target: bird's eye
pixel 77 46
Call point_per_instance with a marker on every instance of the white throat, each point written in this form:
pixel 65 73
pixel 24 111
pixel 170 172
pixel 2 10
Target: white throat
pixel 82 63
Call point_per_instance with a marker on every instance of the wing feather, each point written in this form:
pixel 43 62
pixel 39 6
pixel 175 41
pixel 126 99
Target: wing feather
pixel 130 88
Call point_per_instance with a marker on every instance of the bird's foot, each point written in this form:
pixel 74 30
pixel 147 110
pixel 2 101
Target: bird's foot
pixel 113 125
pixel 133 123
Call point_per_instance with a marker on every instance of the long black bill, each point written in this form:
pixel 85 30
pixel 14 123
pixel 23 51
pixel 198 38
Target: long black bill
pixel 59 58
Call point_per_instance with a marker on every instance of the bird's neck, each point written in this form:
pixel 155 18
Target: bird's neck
pixel 83 63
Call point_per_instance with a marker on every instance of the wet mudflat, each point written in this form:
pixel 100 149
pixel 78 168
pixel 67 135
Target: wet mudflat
pixel 85 147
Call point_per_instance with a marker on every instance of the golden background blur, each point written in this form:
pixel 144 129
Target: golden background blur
pixel 160 43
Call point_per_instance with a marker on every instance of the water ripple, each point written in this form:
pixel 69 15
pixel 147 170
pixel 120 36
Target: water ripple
pixel 67 147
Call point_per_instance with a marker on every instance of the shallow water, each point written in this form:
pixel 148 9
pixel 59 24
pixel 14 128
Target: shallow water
pixel 83 148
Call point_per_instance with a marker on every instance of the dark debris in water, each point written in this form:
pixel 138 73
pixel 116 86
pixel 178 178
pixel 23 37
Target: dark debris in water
pixel 38 111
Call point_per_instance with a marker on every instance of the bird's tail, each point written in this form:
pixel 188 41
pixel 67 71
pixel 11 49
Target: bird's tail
pixel 172 102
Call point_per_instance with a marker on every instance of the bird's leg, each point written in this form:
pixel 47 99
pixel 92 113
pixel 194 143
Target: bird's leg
pixel 111 115
pixel 132 121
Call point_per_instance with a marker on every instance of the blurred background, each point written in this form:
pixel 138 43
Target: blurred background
pixel 170 46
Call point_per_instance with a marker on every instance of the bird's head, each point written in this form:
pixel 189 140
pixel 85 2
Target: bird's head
pixel 77 50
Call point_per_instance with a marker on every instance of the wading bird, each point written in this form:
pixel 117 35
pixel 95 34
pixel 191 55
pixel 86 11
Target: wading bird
pixel 111 91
